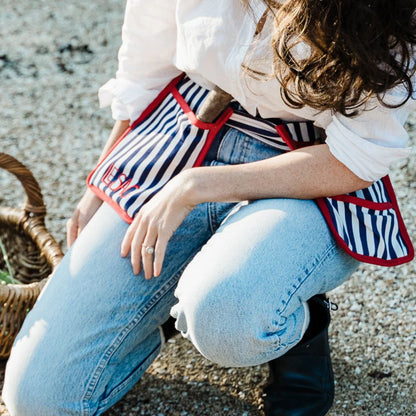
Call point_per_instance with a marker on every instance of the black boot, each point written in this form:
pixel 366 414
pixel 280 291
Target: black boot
pixel 168 328
pixel 302 381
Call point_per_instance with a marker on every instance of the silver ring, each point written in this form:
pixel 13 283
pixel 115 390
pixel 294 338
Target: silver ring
pixel 149 249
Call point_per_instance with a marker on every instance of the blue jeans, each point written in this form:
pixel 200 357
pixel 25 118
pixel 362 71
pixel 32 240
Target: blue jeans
pixel 236 277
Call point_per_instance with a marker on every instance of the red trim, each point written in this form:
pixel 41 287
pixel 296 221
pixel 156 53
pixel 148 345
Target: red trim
pixel 361 257
pixel 379 206
pixel 190 114
pixel 162 95
pixel 402 226
pixel 284 133
pixel 148 110
pixel 169 89
pixel 286 136
pixel 212 134
pixel 102 195
pixel 128 130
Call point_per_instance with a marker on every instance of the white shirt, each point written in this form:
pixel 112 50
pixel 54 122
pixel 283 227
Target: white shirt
pixel 210 40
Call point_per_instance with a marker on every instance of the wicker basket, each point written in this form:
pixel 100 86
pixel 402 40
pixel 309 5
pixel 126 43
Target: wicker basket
pixel 31 250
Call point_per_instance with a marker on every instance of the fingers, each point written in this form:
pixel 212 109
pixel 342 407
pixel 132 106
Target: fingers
pixel 72 229
pixel 144 244
pixel 147 259
pixel 160 251
pixel 84 211
pixel 128 238
pixel 132 243
pixel 140 240
pixel 147 243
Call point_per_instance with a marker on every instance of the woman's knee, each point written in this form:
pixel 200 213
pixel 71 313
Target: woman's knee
pixel 232 333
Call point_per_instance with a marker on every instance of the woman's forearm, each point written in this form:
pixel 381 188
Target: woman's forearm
pixel 303 174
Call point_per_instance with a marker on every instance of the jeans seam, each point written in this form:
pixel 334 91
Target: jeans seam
pixel 104 402
pixel 211 217
pixel 245 147
pixel 112 348
pixel 121 386
pixel 221 145
pixel 315 266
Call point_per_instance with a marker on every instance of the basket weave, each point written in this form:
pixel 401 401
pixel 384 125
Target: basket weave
pixel 32 253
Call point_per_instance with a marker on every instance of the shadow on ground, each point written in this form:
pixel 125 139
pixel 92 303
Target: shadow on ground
pixel 182 383
pixel 175 397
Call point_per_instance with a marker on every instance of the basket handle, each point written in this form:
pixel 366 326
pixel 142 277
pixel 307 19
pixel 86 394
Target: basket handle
pixel 34 202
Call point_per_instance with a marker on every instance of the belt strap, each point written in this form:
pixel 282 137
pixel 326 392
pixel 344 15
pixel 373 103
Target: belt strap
pixel 264 129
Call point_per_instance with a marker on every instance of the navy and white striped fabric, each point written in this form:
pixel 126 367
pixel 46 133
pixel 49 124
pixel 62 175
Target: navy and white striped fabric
pixel 158 148
pixel 366 223
pixel 165 143
pixel 302 132
pixel 372 230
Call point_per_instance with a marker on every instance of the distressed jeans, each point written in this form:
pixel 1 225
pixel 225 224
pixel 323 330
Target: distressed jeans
pixel 236 277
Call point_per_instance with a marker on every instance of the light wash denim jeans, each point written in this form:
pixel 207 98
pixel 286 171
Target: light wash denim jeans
pixel 237 276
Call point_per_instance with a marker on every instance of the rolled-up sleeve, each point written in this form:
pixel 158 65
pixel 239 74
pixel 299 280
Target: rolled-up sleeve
pixel 369 143
pixel 146 58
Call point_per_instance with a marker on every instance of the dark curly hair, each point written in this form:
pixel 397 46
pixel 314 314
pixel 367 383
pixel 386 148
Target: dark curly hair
pixel 358 49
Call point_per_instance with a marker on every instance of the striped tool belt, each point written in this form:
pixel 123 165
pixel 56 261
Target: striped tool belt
pixel 168 138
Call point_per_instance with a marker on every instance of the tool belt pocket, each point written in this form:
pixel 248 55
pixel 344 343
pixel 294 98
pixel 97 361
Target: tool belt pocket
pixel 166 139
pixel 368 225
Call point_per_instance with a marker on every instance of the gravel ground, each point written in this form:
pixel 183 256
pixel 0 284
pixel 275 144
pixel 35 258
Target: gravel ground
pixel 53 58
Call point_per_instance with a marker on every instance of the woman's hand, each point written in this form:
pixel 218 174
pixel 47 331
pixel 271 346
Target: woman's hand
pixel 155 224
pixel 86 208
pixel 89 203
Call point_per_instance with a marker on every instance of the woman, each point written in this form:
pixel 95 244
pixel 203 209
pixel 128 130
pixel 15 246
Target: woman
pixel 236 250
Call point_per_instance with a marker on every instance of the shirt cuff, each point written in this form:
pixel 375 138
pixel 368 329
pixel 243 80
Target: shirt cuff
pixel 367 160
pixel 127 99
